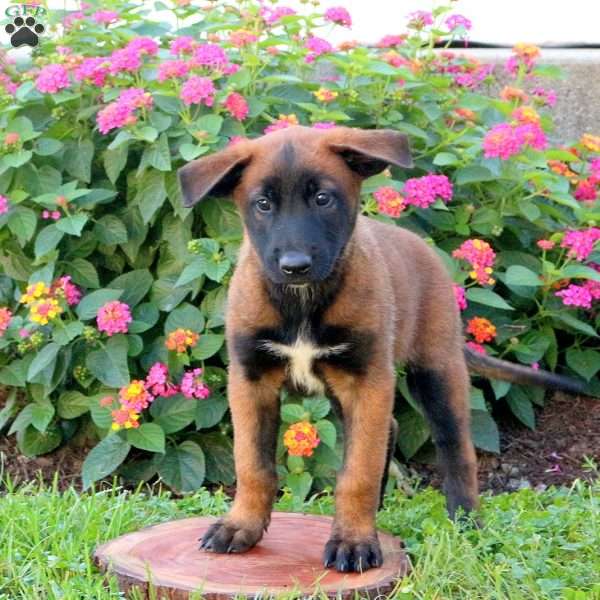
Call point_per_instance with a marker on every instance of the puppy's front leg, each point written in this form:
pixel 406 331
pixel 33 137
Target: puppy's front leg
pixel 367 409
pixel 255 414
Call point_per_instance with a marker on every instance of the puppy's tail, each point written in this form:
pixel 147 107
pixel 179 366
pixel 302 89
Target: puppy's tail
pixel 494 368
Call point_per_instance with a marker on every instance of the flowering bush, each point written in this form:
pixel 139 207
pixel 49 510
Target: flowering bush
pixel 112 293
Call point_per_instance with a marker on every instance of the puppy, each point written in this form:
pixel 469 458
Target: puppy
pixel 326 301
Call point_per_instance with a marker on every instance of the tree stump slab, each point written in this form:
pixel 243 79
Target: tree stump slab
pixel 165 560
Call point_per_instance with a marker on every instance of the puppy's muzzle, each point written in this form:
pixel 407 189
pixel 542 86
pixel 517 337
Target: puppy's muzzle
pixel 293 264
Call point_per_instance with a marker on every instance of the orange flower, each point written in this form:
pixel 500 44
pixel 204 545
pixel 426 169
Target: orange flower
pixel 124 418
pixel 325 95
pixel 526 114
pixel 181 339
pixel 481 329
pixel 590 142
pixel 301 439
pixel 528 52
pixel 509 93
pixel 466 114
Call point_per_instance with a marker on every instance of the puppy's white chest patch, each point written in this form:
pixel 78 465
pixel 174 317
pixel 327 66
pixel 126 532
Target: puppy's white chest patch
pixel 301 356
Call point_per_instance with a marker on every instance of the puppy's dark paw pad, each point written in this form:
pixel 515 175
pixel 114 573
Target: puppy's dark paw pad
pixel 223 537
pixel 352 556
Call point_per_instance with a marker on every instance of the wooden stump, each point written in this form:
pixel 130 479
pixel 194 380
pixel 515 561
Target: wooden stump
pixel 288 559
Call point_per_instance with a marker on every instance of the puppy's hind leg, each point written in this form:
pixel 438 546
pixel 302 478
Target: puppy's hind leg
pixel 391 446
pixel 443 392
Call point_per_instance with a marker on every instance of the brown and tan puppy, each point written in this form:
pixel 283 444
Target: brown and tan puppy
pixel 326 301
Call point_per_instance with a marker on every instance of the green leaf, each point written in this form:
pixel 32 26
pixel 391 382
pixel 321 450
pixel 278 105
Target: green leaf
pixel 578 272
pixel 73 404
pixel 115 161
pixel 23 419
pixel 218 454
pixel 222 220
pixel 191 151
pixel 144 316
pixel 104 458
pixel 473 174
pixel 22 222
pixel 412 432
pixel 584 362
pixel 292 413
pixel 47 240
pixel 84 273
pixel 210 123
pixel 89 305
pixel 173 414
pixel 477 399
pixel 41 414
pixel 78 159
pixel 8 410
pixel 72 225
pixel 43 359
pixel 487 298
pixel 209 412
pixel 47 146
pixel 151 194
pixel 327 432
pixel 183 467
pixel 521 406
pixel 299 484
pixel 148 436
pixel 518 275
pixel 158 155
pixel 318 407
pixel 34 443
pixel 110 230
pixel 445 158
pixel 135 285
pixel 576 324
pixel 485 431
pixel 191 272
pixel 208 345
pixel 15 373
pixel 109 364
pixel 185 316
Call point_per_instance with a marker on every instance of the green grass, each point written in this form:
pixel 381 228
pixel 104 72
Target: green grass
pixel 532 545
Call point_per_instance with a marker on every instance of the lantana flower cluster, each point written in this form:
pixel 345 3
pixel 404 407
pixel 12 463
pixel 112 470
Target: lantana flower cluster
pixel 48 303
pixel 301 439
pixel 480 255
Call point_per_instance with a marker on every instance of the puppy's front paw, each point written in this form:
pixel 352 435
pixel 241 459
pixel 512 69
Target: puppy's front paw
pixel 224 536
pixel 353 555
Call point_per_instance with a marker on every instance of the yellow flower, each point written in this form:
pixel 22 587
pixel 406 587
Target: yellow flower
pixel 45 310
pixel 301 439
pixel 325 95
pixel 591 142
pixel 34 292
pixel 181 339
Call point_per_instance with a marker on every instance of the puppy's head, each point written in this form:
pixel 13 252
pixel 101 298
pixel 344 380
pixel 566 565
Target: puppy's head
pixel 298 191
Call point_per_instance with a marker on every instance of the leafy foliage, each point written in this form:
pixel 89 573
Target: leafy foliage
pixel 113 293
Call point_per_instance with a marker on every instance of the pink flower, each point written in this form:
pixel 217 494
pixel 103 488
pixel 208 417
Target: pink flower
pixel 390 41
pixel 54 215
pixel 136 98
pixel 172 69
pixel 105 17
pixel 210 55
pixel 237 106
pixel 535 366
pixel 236 139
pixel 283 122
pixel 198 90
pixel 420 19
pixel 595 167
pixel 125 60
pixel 593 287
pixel 52 78
pixel 4 206
pixel 70 291
pixel 481 258
pixel 192 385
pixel 113 317
pixel 532 135
pixel 455 21
pixel 24 333
pixel 182 45
pixel 143 45
pixel 272 15
pixel 545 244
pixel 113 116
pixel 5 317
pixel 135 396
pixel 580 243
pixel 389 201
pixel 424 191
pixel 576 295
pixel 459 294
pixel 476 347
pixel 157 381
pixel 547 97
pixel 316 46
pixel 242 38
pixel 339 15
pixel 92 70
pixel 324 125
pixel 501 141
pixel 586 190
pixel 70 19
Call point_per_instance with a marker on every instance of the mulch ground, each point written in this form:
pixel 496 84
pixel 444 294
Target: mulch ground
pixel 568 433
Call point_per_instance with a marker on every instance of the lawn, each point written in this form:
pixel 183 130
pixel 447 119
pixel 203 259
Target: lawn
pixel 532 545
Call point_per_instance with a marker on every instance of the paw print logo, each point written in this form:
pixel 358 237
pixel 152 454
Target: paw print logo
pixel 24 31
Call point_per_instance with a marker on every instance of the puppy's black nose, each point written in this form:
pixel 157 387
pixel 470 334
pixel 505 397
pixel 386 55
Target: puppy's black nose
pixel 295 263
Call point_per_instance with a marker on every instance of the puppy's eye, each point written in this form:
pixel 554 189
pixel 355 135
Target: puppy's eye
pixel 264 204
pixel 323 199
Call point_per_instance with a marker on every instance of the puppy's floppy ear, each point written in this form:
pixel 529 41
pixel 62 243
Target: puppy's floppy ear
pixel 217 174
pixel 370 151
